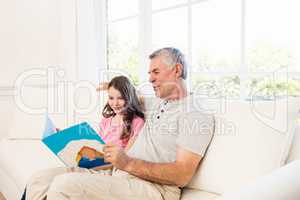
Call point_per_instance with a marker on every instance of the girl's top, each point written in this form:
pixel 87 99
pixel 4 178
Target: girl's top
pixel 111 133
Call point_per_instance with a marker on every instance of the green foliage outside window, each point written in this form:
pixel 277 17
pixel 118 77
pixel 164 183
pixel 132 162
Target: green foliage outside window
pixel 264 57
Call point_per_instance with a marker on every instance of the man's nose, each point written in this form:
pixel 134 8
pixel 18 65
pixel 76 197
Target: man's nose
pixel 151 78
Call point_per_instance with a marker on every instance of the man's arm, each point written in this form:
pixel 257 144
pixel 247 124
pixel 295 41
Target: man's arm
pixel 177 173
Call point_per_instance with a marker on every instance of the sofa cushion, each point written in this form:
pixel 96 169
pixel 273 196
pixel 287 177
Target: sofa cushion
pixel 31 104
pixel 8 186
pixel 192 194
pixel 281 184
pixel 294 153
pixel 21 158
pixel 251 139
pixel 26 125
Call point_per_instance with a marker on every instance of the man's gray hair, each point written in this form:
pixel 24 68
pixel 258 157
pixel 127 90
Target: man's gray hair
pixel 171 57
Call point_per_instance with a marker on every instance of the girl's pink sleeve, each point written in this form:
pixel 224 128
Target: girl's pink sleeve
pixel 137 125
pixel 102 126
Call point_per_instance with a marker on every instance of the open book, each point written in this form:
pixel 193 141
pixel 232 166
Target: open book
pixel 78 145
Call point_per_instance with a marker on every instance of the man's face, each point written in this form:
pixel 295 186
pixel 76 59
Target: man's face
pixel 162 77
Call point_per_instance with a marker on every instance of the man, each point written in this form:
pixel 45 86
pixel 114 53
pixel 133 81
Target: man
pixel 162 160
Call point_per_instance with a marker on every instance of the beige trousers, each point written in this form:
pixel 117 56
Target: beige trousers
pixel 75 183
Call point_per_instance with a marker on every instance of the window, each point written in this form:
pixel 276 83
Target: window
pixel 216 43
pixel 237 48
pixel 123 36
pixel 272 48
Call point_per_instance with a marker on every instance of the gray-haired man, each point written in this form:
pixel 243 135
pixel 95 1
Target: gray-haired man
pixel 162 160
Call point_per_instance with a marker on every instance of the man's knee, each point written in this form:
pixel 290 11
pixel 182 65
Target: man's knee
pixel 44 176
pixel 39 176
pixel 69 182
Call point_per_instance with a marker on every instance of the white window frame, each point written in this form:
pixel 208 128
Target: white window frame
pixel 91 39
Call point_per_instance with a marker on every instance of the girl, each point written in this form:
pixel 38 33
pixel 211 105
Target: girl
pixel 122 120
pixel 123 114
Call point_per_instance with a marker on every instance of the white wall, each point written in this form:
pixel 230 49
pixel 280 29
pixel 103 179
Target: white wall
pixel 6 105
pixel 7 40
pixel 34 34
pixel 37 34
pixel 63 34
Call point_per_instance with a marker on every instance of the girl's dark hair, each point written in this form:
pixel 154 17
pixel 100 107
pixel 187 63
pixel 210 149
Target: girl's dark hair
pixel 133 107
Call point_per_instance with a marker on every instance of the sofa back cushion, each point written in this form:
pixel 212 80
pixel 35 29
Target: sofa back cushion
pixel 251 139
pixel 31 103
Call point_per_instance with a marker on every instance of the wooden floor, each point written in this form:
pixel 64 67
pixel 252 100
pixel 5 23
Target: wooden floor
pixel 1 197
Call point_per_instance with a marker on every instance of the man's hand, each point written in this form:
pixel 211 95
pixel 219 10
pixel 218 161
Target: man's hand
pixel 116 156
pixel 102 86
pixel 103 167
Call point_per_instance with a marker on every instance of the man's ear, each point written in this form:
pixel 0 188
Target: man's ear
pixel 178 70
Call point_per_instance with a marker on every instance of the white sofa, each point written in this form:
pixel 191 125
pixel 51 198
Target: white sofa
pixel 254 154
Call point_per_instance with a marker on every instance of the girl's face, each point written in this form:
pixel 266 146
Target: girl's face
pixel 115 100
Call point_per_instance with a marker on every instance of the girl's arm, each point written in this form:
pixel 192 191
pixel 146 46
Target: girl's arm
pixel 130 143
pixel 137 125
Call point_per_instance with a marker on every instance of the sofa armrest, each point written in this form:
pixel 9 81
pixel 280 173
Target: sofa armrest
pixel 282 184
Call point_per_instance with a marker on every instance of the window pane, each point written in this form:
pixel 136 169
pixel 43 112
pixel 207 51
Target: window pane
pixel 273 31
pixel 294 86
pixel 216 35
pixel 170 29
pixel 119 9
pixel 123 47
pixel 270 87
pixel 214 87
pixel 158 4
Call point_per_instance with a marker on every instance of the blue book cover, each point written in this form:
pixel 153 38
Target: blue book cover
pixel 79 145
